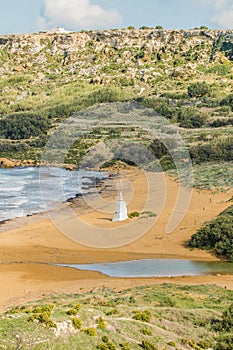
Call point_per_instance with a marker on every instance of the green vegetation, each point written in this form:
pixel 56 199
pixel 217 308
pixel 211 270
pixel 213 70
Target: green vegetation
pixel 198 89
pixel 165 316
pixel 188 81
pixel 216 234
pixel 144 316
pixel 23 126
pixel 134 214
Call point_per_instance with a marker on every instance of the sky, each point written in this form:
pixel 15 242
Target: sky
pixel 29 16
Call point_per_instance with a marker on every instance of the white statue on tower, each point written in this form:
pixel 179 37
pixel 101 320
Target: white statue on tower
pixel 121 213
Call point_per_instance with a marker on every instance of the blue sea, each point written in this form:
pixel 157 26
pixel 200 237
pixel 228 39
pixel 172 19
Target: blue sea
pixel 28 190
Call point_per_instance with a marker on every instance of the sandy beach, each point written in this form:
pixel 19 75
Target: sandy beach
pixel 28 245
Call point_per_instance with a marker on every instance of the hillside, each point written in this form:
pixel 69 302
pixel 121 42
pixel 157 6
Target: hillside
pixel 185 76
pixel 151 318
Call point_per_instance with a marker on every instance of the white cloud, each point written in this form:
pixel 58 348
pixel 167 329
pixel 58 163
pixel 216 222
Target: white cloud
pixel 225 19
pixel 223 13
pixel 77 14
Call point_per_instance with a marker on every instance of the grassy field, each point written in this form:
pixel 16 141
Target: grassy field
pixel 152 317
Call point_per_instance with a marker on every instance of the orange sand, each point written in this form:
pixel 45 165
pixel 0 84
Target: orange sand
pixel 27 243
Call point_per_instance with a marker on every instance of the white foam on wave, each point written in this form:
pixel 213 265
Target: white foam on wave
pixel 31 190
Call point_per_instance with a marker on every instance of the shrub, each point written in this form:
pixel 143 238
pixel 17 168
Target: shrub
pixel 43 318
pixel 148 346
pixel 205 344
pixel 101 323
pixel 78 307
pixel 45 308
pixel 198 89
pixel 217 234
pixel 227 319
pixel 105 339
pixel 224 342
pixel 146 331
pixel 221 122
pixel 144 316
pixel 220 69
pixel 134 214
pixel 189 117
pixel 193 345
pixel 214 150
pixel 149 214
pixel 72 312
pixel 159 105
pixel 228 101
pixel 107 344
pixel 124 346
pixel 102 347
pixel 23 126
pixel 77 323
pixel 112 312
pixel 90 331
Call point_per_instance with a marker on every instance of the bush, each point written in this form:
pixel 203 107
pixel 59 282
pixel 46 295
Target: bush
pixel 78 307
pixel 45 308
pixel 144 316
pixel 198 89
pixel 72 312
pixel 205 344
pixel 77 323
pixel 189 117
pixel 221 150
pixel 228 101
pixel 23 126
pixel 224 342
pixel 134 214
pixel 220 69
pixel 124 346
pixel 146 331
pixel 44 318
pixel 112 312
pixel 148 346
pixel 90 331
pixel 217 234
pixel 101 323
pixel 221 122
pixel 160 105
pixel 227 319
pixel 102 347
pixel 107 344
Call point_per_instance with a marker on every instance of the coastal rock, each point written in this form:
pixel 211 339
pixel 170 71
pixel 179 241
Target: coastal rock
pixel 6 163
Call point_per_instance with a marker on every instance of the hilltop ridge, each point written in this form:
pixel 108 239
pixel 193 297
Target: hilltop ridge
pixel 111 55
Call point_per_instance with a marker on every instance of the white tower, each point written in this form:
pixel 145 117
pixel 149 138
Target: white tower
pixel 121 210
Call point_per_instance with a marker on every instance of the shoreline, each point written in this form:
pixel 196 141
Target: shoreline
pixel 27 244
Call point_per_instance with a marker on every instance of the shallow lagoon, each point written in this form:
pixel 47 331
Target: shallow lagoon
pixel 157 268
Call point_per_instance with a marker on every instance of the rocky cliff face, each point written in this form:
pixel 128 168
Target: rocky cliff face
pixel 104 56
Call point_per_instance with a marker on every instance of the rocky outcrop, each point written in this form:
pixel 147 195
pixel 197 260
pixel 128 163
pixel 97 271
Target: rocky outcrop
pixel 11 163
pixel 6 163
pixel 115 53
